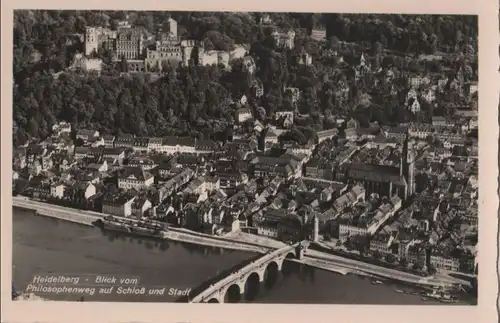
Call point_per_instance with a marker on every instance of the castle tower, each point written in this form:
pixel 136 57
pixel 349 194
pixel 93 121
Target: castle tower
pixel 91 40
pixel 187 48
pixel 172 28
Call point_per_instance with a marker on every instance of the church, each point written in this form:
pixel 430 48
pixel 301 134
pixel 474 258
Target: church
pixel 387 180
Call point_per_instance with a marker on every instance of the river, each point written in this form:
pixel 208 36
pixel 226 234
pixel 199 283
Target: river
pixel 44 246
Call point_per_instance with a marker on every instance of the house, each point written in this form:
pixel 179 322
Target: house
pixel 118 204
pixel 442 261
pixel 414 106
pixel 258 88
pixel 326 134
pixel 249 64
pixel 429 96
pixel 140 144
pixel 61 128
pixel 203 147
pixel 80 192
pixel 57 190
pixel 285 118
pixel 243 100
pixel 140 206
pixel 87 135
pixel 293 93
pixel 284 39
pixel 183 145
pixel 155 144
pixel 382 243
pixel 258 127
pixel 305 59
pixel 417 81
pixel 117 154
pixel 135 178
pixel 443 122
pixel 318 34
pixel 243 114
pixel 109 141
pixel 290 228
pixel 82 152
pixel 270 139
pixel 142 162
pixel 98 167
pixel 40 190
pixel 268 229
pixel 124 141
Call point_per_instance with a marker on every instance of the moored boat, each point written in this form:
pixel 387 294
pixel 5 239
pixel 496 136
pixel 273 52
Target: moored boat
pixel 115 226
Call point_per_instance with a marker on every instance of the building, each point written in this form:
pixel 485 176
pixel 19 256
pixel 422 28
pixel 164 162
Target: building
pixel 270 139
pixel 440 261
pixel 326 134
pixel 284 118
pixel 182 145
pixel 129 44
pixel 86 64
pixel 109 141
pixel 135 178
pixel 243 114
pixel 305 59
pixel 124 141
pixel 284 39
pixel 141 144
pixel 154 144
pixel 140 206
pixel 414 105
pixel 387 180
pixel 318 34
pixel 61 128
pixel 96 37
pixel 118 204
pixel 249 64
pixel 87 135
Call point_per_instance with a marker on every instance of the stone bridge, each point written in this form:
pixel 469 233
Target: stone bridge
pixel 216 292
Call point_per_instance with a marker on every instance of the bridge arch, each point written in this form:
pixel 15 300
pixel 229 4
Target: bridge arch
pixel 233 292
pixel 274 264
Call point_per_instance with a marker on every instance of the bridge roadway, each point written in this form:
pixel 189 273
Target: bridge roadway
pixel 217 291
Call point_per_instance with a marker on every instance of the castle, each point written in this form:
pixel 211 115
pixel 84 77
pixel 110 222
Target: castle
pixel 129 42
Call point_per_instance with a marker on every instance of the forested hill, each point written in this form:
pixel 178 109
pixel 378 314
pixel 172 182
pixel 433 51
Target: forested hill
pixel 193 100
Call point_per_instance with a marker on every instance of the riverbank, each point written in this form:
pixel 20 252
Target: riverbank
pixel 247 242
pixel 174 234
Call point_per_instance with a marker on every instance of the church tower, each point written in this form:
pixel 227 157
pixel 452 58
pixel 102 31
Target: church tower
pixel 407 166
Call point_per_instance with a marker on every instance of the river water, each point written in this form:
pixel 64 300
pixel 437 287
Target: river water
pixel 45 246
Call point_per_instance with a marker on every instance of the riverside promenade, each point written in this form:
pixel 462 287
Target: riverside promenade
pixel 174 234
pixel 247 242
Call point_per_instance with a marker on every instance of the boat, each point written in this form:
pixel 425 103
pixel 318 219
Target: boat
pixel 399 291
pixel 115 226
pixel 145 231
pixel 446 300
pixel 377 282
